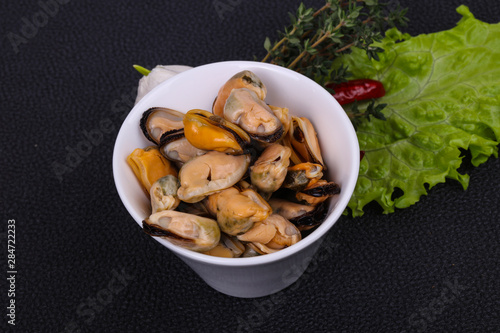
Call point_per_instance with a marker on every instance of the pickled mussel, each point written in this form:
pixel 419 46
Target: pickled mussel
pixel 186 230
pixel 209 132
pixel 157 121
pixel 269 171
pixel 228 247
pixel 237 210
pixel 272 234
pixel 210 173
pixel 164 194
pixel 149 165
pixel 287 233
pixel 318 191
pixel 283 114
pixel 244 79
pixel 178 149
pixel 304 141
pixel 275 231
pixel 303 216
pixel 249 251
pixel 245 109
pixel 300 175
pixel 243 181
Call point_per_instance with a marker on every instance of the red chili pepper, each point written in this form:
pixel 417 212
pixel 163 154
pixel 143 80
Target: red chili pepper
pixel 350 91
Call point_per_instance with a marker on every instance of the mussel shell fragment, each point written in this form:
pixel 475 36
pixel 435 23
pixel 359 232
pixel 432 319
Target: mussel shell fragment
pixel 317 192
pixel 312 219
pixel 321 190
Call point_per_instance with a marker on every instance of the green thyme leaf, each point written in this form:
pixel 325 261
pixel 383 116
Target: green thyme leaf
pixel 267 44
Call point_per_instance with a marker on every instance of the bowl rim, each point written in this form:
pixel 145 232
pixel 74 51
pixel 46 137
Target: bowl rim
pixel 313 237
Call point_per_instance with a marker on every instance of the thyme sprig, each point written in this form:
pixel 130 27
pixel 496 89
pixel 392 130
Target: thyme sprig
pixel 316 37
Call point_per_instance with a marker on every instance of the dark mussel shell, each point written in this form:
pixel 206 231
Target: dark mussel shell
pixel 328 189
pixel 311 219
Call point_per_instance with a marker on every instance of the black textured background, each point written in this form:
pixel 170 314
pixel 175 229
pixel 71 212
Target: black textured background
pixel 432 267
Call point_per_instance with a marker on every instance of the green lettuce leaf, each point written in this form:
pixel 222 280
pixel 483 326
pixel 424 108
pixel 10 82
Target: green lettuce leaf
pixel 442 95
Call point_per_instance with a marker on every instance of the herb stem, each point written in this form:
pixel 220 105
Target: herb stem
pixel 345 47
pixel 316 37
pixel 284 39
pixel 278 45
pixel 319 41
pixel 321 9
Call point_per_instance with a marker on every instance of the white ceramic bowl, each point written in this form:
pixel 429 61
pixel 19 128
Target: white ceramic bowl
pixel 196 89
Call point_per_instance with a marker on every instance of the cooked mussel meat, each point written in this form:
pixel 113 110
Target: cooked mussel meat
pixel 303 216
pixel 244 79
pixel 163 194
pixel 304 141
pixel 149 165
pixel 287 233
pixel 249 251
pixel 186 230
pixel 237 210
pixel 318 191
pixel 269 171
pixel 250 179
pixel 209 132
pixel 271 234
pixel 178 149
pixel 299 175
pixel 283 115
pixel 245 109
pixel 210 173
pixel 228 247
pixel 259 233
pixel 157 121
